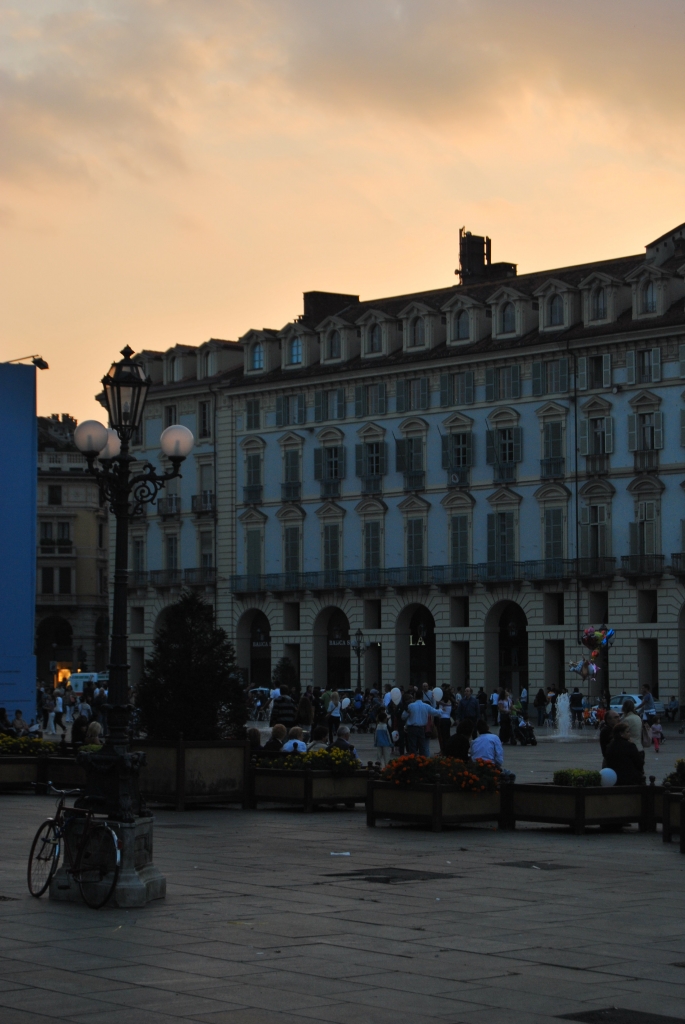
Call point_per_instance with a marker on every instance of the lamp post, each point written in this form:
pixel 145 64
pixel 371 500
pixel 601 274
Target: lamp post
pixel 359 637
pixel 126 487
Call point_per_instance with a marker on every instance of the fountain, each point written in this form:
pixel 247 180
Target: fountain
pixel 563 723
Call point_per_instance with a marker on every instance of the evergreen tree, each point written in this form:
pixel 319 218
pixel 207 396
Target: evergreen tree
pixel 285 674
pixel 190 684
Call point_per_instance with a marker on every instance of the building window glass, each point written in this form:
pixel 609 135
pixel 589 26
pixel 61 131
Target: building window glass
pixel 598 436
pixel 63 532
pixel 649 297
pixel 599 304
pixel 508 318
pixel 501 537
pixel 257 356
pixel 204 419
pixel 138 554
pixel 556 311
pixel 462 330
pixel 332 463
pixel 295 351
pixel 643 536
pixel 291 466
pixel 417 334
pixel 206 550
pixel 553 440
pixel 375 399
pixel 253 470
pixel 554 533
pixel 460 539
pixel 65 580
pixel 373 342
pixel 253 544
pixel 171 552
pixel 54 494
pixel 210 364
pixel 372 545
pixel 291 549
pixel 414 542
pixel 593 531
pixel 331 547
pixel 47 580
pixel 252 414
pixel 170 415
pixel 334 345
pixel 102 581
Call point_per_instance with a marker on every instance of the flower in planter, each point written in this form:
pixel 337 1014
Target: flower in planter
pixel 336 760
pixel 26 746
pixel 475 776
pixel 577 777
pixel 676 779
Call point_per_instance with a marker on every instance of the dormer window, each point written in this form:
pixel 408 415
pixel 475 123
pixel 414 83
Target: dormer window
pixel 210 364
pixel 649 297
pixel 556 311
pixel 373 340
pixel 257 357
pixel 334 345
pixel 417 335
pixel 508 318
pixel 295 352
pixel 599 304
pixel 462 327
pixel 172 368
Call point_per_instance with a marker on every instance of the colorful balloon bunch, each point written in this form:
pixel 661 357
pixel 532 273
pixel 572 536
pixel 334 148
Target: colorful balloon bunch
pixel 593 638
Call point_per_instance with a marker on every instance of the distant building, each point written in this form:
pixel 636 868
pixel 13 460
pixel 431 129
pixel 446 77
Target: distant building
pixel 470 475
pixel 72 555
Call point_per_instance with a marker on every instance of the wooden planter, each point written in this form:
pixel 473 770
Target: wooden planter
pixel 673 815
pixel 194 772
pixel 306 788
pixel 435 805
pixel 579 807
pixel 21 774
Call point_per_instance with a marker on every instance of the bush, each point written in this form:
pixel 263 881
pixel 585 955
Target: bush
pixel 340 762
pixel 676 779
pixel 474 776
pixel 577 777
pixel 190 685
pixel 25 746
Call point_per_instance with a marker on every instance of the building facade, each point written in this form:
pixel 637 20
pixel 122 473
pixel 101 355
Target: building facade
pixel 72 559
pixel 468 475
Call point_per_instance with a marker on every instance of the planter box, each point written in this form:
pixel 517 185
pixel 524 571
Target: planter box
pixel 673 816
pixel 194 772
pixel 305 788
pixel 21 774
pixel 428 804
pixel 579 807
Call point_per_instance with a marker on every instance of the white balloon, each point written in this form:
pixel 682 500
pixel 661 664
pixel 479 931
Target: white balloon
pixel 437 693
pixel 346 702
pixel 395 695
pixel 608 776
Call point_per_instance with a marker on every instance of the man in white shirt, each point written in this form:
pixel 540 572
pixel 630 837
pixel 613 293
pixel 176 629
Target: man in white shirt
pixel 416 719
pixel 486 746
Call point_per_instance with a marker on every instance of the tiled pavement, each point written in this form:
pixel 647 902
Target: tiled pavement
pixel 262 925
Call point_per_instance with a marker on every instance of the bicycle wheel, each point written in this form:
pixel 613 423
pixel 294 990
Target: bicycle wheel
pixel 97 866
pixel 43 858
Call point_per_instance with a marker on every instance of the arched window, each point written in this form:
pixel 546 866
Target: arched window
pixel 599 304
pixel 649 297
pixel 462 329
pixel 508 318
pixel 295 351
pixel 257 356
pixel 373 343
pixel 334 345
pixel 556 311
pixel 417 337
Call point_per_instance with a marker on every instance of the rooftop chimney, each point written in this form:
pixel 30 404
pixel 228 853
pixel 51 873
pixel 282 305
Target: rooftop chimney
pixel 475 262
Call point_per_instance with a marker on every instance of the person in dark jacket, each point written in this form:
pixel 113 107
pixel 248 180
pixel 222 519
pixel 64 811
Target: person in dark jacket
pixel 284 710
pixel 606 733
pixel 458 745
pixel 626 760
pixel 276 740
pixel 468 707
pixel 79 730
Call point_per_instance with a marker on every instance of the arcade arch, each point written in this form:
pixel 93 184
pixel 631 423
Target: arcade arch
pixel 415 647
pixel 506 648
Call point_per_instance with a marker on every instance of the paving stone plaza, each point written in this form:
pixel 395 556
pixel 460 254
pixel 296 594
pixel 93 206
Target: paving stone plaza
pixel 262 925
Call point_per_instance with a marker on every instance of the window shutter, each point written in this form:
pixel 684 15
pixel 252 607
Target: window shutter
pixel 634 538
pixel 446 389
pixel 630 366
pixel 682 428
pixel 490 451
pixel 360 401
pixel 384 458
pixel 581 373
pixel 538 370
pixel 516 382
pixel 460 525
pixel 492 539
pixel 563 374
pixel 584 532
pixel 469 449
pixel 650 537
pixel 401 456
pixel 281 411
pixel 656 370
pixel 359 460
pixel 318 463
pixel 468 387
pixel 254 552
pixel 446 461
pixel 319 399
pixel 342 462
pixel 681 357
pixel 518 444
pixel 417 454
pixel 510 552
pixel 658 430
pixel 401 396
pixel 340 411
pixel 381 399
pixel 608 434
pixel 300 409
pixel 424 397
pixel 632 433
pixel 606 370
pixel 583 436
pixel 490 384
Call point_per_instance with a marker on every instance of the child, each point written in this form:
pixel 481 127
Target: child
pixel 381 736
pixel 657 735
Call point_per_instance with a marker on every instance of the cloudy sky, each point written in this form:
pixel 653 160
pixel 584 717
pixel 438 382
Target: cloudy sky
pixel 173 170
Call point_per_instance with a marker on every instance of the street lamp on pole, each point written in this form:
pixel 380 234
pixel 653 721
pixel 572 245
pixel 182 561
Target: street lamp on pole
pixel 359 637
pixel 126 486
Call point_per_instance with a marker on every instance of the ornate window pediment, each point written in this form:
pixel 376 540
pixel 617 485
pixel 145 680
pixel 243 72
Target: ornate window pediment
pixel 599 490
pixel 370 432
pixel 552 493
pixel 457 422
pixel 458 501
pixel 253 443
pixel 413 426
pixel 330 510
pixel 291 440
pixel 414 504
pixel 504 497
pixel 646 487
pixel 416 308
pixel 253 517
pixel 330 435
pixel 371 507
pixel 291 512
pixel 596 406
pixel 645 401
pixel 551 411
pixel 504 417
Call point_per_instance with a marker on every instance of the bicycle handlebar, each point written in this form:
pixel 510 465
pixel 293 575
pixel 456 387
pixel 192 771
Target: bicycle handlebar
pixel 53 791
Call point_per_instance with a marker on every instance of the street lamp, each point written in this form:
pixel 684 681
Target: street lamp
pixel 359 637
pixel 126 487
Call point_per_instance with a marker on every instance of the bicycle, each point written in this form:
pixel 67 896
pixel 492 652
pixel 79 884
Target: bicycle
pixel 92 852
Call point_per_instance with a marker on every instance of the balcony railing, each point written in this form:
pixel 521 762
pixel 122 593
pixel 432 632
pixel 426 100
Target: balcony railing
pixel 552 469
pixel 504 473
pixel 501 572
pixel 56 547
pixel 594 568
pixel 458 476
pixel 252 494
pixel 597 465
pixel 372 485
pixel 415 480
pixel 291 491
pixel 550 569
pixel 166 577
pixel 678 564
pixel 137 578
pixel 199 577
pixel 642 565
pixel 169 506
pixel 203 503
pixel 330 488
pixel 646 461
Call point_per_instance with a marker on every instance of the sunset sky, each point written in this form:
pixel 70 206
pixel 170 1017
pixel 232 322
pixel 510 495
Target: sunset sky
pixel 174 170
